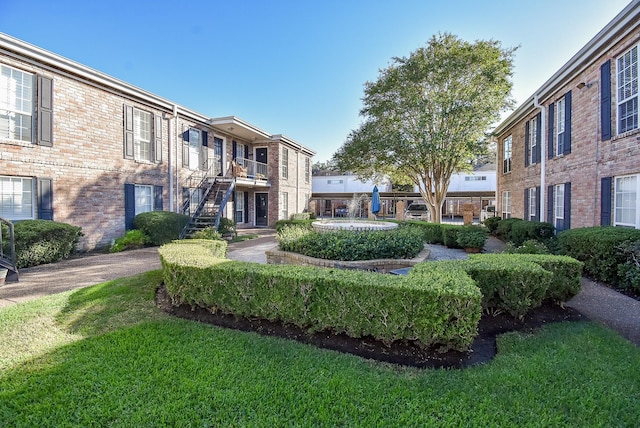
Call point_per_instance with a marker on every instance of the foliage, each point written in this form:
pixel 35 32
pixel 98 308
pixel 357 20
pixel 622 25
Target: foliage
pixel 472 237
pixel 43 241
pixel 207 233
pixel 442 309
pixel 530 246
pixel 160 226
pixel 596 248
pixel 629 272
pixel 491 223
pixel 567 274
pixel 399 243
pixel 302 216
pixel 431 232
pixel 525 230
pixel 503 230
pixel 280 224
pixel 450 235
pixel 195 252
pixel 131 240
pixel 425 116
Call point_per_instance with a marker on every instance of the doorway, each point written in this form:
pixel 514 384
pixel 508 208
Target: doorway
pixel 262 209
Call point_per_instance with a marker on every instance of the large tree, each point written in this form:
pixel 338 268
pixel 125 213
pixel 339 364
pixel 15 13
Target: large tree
pixel 427 115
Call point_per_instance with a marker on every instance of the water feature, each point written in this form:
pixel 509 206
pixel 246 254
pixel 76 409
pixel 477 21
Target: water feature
pixel 352 222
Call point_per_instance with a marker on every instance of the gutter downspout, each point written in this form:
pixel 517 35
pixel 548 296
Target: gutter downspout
pixel 543 156
pixel 175 140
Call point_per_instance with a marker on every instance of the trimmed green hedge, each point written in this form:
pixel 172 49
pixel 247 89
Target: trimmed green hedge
pixel 281 224
pixel 43 241
pixel 439 309
pixel 450 235
pixel 522 231
pixel 596 247
pixel 567 274
pixel 161 226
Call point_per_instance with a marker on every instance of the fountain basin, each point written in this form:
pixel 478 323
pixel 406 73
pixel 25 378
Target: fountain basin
pixel 332 225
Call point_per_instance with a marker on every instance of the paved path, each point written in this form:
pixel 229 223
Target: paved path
pixel 595 301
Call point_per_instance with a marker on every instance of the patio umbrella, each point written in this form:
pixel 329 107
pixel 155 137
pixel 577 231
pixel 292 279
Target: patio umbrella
pixel 375 201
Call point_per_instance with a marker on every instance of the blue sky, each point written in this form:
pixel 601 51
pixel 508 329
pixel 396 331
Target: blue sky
pixel 293 67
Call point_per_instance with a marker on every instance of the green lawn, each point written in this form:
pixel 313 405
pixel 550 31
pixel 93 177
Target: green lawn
pixel 105 356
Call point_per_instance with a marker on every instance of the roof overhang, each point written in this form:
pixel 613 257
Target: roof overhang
pixel 237 127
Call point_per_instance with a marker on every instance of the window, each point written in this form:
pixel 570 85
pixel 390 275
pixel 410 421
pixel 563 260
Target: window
pixel 560 119
pixel 217 152
pixel 16 198
pixel 506 204
pixel 475 178
pixel 284 206
pixel 307 169
pixel 335 181
pixel 506 154
pixel 142 135
pixel 285 163
pixel 533 132
pixel 241 149
pixel 559 204
pixel 532 204
pixel 239 217
pixel 16 104
pixel 628 91
pixel 626 201
pixel 194 148
pixel 144 199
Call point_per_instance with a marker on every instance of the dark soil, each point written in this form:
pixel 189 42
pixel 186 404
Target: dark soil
pixel 482 350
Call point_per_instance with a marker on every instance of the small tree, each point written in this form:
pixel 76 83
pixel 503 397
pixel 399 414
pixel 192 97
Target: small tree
pixel 427 115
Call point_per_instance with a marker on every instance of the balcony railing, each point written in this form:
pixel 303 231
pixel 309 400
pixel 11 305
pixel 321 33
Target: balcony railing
pixel 246 168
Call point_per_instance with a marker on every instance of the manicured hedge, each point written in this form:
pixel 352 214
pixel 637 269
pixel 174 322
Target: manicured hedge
pixel 440 309
pixel 431 232
pixel 596 248
pixel 280 224
pixel 567 274
pixel 450 235
pixel 161 226
pixel 43 241
pixel 522 231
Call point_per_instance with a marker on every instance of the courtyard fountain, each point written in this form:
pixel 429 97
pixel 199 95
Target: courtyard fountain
pixel 351 222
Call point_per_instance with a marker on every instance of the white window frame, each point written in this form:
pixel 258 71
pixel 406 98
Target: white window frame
pixel 532 204
pixel 195 144
pixel 558 208
pixel 17 89
pixel 533 141
pixel 627 90
pixel 560 119
pixel 142 135
pixel 507 153
pixel 285 163
pixel 17 198
pixel 144 201
pixel 626 199
pixel 239 207
pixel 284 206
pixel 506 204
pixel 307 169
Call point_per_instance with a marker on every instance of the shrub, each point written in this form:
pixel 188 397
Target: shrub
pixel 526 230
pixel 131 240
pixel 504 227
pixel 472 237
pixel 208 233
pixel 450 235
pixel 300 216
pixel 44 241
pixel 440 310
pixel 567 274
pixel 431 232
pixel 226 226
pixel 530 246
pixel 629 272
pixel 160 226
pixel 596 248
pixel 491 223
pixel 280 224
pixel 400 243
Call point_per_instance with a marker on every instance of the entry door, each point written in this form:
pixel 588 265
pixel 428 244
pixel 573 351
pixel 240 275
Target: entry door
pixel 261 155
pixel 262 209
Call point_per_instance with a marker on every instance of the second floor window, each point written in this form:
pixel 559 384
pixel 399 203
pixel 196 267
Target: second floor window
pixel 628 91
pixel 560 119
pixel 142 135
pixel 16 104
pixel 506 154
pixel 285 163
pixel 307 169
pixel 533 141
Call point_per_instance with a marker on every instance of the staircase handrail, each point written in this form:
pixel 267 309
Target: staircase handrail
pixel 8 260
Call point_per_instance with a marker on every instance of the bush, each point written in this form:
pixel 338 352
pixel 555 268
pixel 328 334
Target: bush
pixel 431 232
pixel 131 240
pixel 527 230
pixel 491 223
pixel 208 233
pixel 472 237
pixel 442 309
pixel 400 243
pixel 44 241
pixel 280 224
pixel 629 272
pixel 596 248
pixel 504 227
pixel 567 274
pixel 226 226
pixel 300 216
pixel 530 246
pixel 450 235
pixel 160 226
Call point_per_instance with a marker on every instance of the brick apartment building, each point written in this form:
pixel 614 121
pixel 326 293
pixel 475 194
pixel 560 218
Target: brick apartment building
pixel 570 155
pixel 81 147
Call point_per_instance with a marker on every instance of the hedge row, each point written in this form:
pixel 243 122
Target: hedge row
pixel 439 309
pixel 160 226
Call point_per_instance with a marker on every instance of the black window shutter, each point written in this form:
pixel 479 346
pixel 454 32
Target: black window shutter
pixel 45 199
pixel 605 201
pixel 204 150
pixel 526 205
pixel 234 150
pixel 246 207
pixel 157 138
pixel 550 200
pixel 185 147
pixel 526 144
pixel 246 151
pixel 45 111
pixel 128 132
pixel 129 205
pixel 157 198
pixel 550 151
pixel 567 123
pixel 205 138
pixel 537 218
pixel 536 155
pixel 605 100
pixel 567 206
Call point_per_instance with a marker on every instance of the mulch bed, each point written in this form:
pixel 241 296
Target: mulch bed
pixel 482 350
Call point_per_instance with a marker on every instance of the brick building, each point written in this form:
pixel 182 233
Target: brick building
pixel 569 155
pixel 81 147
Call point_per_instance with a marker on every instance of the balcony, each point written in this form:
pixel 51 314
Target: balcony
pixel 250 172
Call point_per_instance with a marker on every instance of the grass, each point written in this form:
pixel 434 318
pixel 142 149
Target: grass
pixel 240 238
pixel 104 355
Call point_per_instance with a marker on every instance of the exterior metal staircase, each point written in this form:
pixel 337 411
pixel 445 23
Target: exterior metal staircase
pixel 8 250
pixel 215 191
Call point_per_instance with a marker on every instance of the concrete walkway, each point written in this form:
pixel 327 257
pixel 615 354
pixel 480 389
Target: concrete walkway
pixel 595 301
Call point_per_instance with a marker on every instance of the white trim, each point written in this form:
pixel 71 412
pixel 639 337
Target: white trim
pixel 636 201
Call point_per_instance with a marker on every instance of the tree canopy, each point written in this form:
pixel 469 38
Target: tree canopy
pixel 427 115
